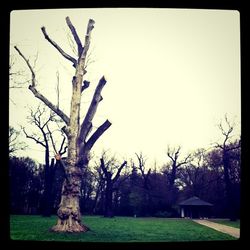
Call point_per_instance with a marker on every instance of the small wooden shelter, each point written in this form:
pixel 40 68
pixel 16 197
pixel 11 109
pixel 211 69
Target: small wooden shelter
pixel 194 207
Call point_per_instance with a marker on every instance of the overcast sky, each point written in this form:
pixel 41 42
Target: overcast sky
pixel 172 74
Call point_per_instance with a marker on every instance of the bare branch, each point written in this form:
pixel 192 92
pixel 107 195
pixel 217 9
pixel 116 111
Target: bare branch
pixel 70 58
pixel 225 132
pixel 57 88
pixel 61 151
pixel 185 161
pixel 141 161
pixel 217 145
pixel 14 144
pixel 75 35
pixel 33 138
pixel 170 156
pixel 174 155
pixel 33 89
pixel 33 80
pixel 51 139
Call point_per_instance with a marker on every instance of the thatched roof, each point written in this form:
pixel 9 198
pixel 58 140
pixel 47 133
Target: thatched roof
pixel 194 201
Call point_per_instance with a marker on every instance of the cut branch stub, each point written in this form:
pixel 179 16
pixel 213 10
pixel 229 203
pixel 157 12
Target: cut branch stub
pixel 58 157
pixel 85 85
pixel 90 26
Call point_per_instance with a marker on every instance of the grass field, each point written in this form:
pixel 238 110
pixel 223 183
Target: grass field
pixel 117 229
pixel 227 222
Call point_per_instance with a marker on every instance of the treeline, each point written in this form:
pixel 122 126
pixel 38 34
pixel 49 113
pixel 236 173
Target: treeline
pixel 133 187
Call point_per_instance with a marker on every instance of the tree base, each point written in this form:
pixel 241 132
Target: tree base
pixel 67 226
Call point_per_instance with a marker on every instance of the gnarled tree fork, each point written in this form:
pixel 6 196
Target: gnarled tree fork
pixel 80 142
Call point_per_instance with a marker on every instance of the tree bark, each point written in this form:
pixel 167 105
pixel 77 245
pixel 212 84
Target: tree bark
pixel 69 215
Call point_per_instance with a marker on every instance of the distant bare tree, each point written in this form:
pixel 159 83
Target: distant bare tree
pixel 111 174
pixel 44 137
pixel 171 171
pixel 146 191
pixel 227 147
pixel 141 167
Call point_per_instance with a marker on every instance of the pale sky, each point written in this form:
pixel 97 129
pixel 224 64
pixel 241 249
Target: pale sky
pixel 172 74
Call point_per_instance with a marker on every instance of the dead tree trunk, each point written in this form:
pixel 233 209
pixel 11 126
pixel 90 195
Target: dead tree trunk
pixel 69 216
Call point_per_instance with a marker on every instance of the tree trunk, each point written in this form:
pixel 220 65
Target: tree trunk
pixel 229 193
pixel 108 201
pixel 69 215
pixel 47 204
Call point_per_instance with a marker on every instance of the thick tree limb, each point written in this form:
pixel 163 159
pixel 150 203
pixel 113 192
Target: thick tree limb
pixel 33 79
pixel 75 35
pixel 86 124
pixel 87 38
pixel 103 167
pixel 41 97
pixel 33 89
pixel 119 171
pixel 70 58
pixel 97 134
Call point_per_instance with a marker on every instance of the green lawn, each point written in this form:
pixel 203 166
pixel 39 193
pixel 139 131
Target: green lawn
pixel 118 229
pixel 227 222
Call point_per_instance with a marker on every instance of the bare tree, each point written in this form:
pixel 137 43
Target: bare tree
pixel 80 142
pixel 141 166
pixel 173 166
pixel 44 137
pixel 226 148
pixel 146 182
pixel 110 177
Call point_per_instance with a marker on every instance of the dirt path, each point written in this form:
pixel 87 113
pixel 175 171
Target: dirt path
pixel 235 232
